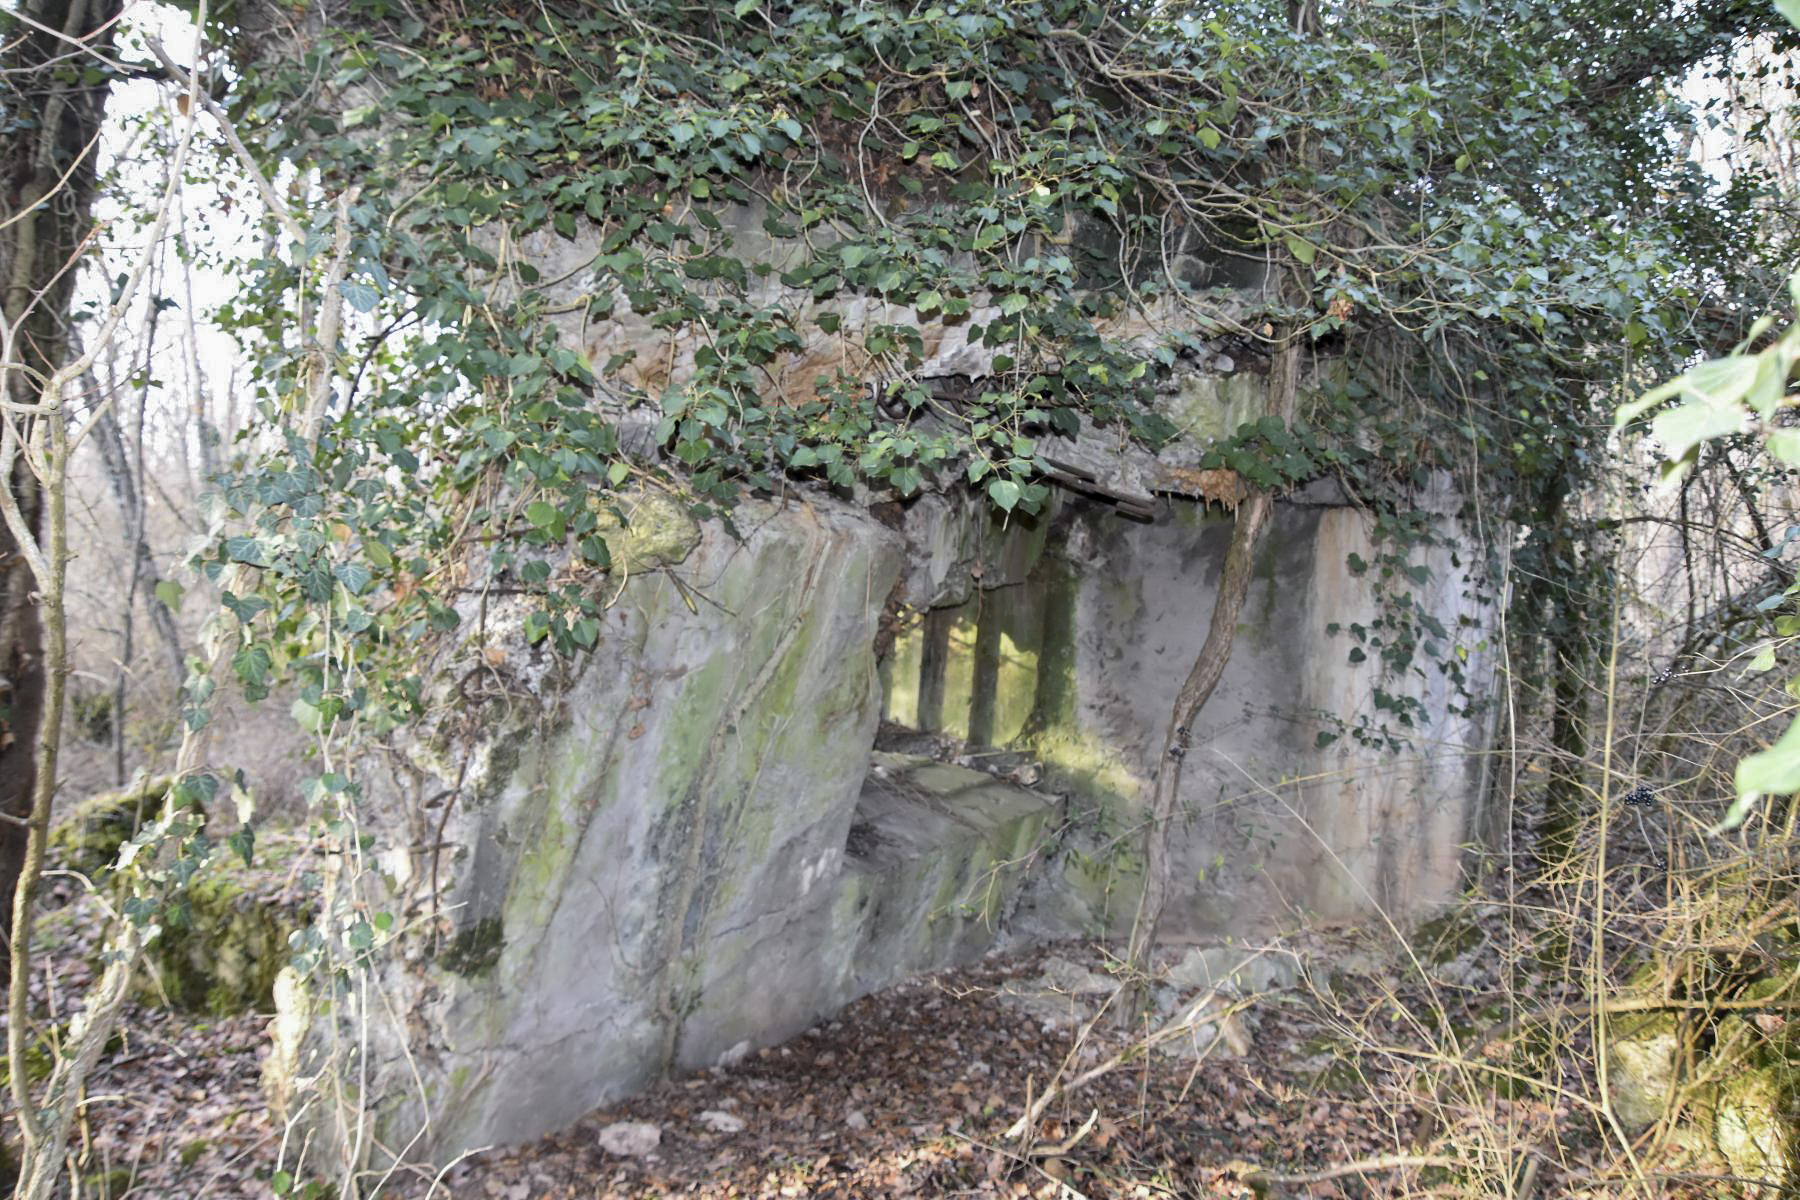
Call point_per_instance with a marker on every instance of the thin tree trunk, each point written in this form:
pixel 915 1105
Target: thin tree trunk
pixel 1203 678
pixel 109 438
pixel 47 185
pixel 52 446
pixel 206 435
pixel 21 687
pixel 1209 667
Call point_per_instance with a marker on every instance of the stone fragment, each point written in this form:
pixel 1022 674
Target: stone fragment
pixel 721 1122
pixel 1233 968
pixel 656 531
pixel 630 1139
pixel 1062 975
pixel 1642 1058
pixel 1207 1029
pixel 1756 1126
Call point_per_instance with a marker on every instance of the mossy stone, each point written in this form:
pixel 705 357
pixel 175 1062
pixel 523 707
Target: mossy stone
pixel 1644 1051
pixel 222 956
pixel 107 1185
pixel 1756 1124
pixel 88 840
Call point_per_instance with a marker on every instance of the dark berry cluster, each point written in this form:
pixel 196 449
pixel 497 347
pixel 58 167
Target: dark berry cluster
pixel 1640 797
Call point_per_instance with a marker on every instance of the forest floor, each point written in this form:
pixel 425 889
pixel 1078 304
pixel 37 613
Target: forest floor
pixel 909 1092
pixel 1361 1068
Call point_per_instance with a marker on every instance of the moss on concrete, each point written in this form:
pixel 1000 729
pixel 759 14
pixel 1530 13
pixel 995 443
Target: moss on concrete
pixel 656 531
pixel 476 949
pixel 1448 936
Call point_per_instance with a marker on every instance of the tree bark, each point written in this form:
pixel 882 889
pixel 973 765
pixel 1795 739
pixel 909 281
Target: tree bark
pixel 47 185
pixel 109 438
pixel 21 691
pixel 1209 667
pixel 1203 678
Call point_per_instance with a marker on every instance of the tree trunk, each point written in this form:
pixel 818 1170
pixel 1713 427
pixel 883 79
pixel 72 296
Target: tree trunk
pixel 1209 667
pixel 21 690
pixel 47 185
pixel 109 439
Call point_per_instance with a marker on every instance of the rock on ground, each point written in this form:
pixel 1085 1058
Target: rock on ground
pixel 630 1139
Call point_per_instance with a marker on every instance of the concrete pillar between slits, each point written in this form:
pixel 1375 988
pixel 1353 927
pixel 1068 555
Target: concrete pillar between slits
pixel 934 659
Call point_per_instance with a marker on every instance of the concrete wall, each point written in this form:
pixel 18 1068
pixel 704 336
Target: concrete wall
pixel 1074 642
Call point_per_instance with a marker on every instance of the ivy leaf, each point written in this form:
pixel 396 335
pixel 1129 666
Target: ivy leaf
pixel 169 592
pixel 1785 443
pixel 546 516
pixel 596 551
pixel 377 553
pixel 1302 250
pixel 251 665
pixel 354 576
pixel 243 840
pixel 307 715
pixel 1004 492
pixel 361 296
pixel 1771 772
pixel 246 550
pixel 1697 420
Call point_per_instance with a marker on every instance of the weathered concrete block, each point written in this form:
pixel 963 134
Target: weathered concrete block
pixel 675 853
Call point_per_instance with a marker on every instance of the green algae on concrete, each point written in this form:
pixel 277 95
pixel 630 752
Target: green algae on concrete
pixel 476 949
pixel 1212 407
